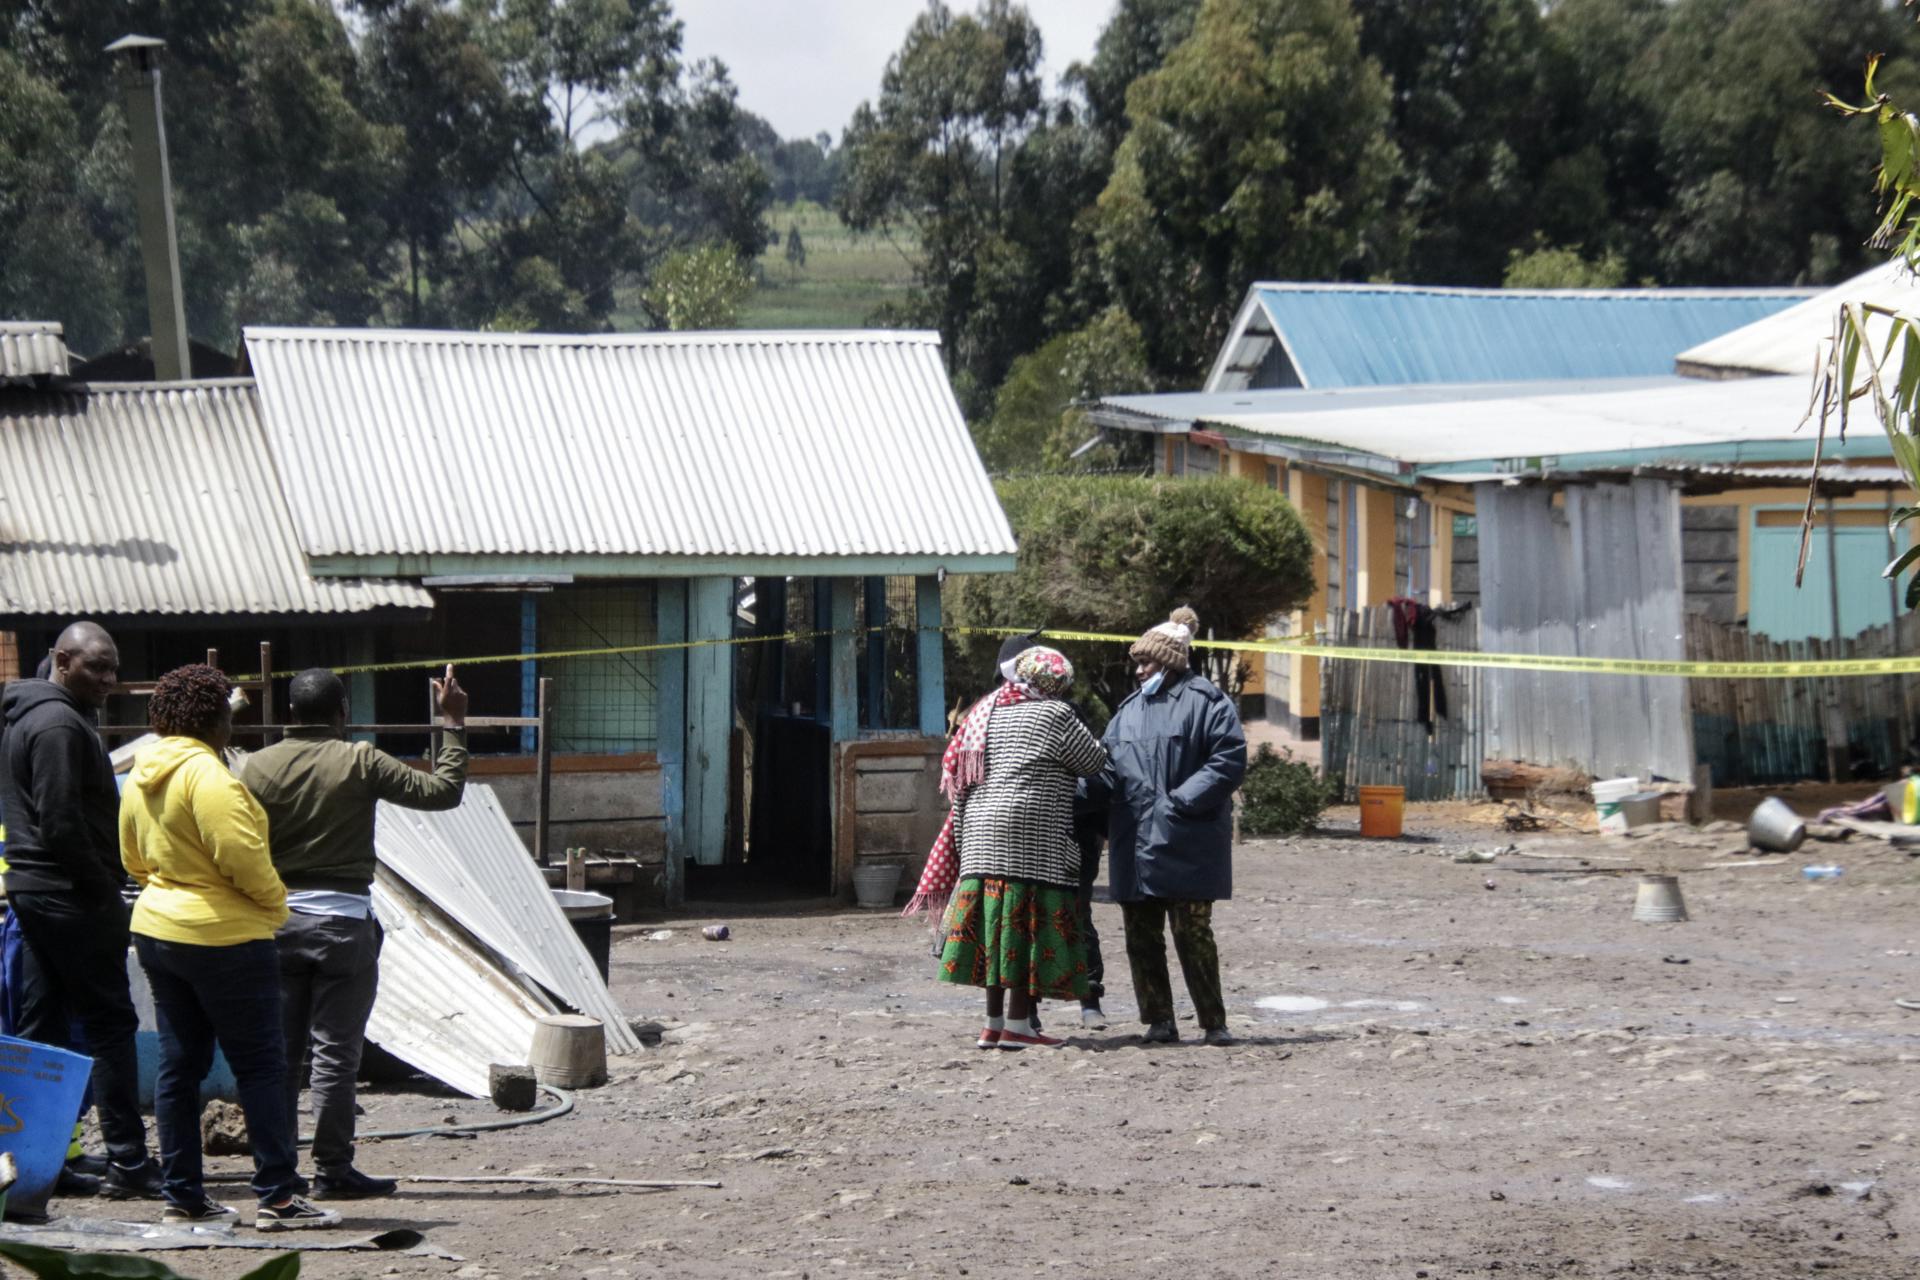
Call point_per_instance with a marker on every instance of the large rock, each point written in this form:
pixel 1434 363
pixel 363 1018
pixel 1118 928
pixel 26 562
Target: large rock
pixel 223 1130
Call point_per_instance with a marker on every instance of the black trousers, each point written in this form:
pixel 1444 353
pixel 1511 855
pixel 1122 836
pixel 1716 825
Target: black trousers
pixel 1089 872
pixel 76 971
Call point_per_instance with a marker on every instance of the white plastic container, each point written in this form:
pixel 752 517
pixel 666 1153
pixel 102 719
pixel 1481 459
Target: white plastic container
pixel 1608 798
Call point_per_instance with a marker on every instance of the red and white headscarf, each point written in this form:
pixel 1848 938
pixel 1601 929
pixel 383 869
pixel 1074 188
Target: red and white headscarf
pixel 1038 673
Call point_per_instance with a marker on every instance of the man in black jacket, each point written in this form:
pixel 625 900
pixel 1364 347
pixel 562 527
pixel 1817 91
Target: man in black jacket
pixel 63 884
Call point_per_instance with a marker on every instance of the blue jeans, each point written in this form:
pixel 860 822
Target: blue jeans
pixel 230 996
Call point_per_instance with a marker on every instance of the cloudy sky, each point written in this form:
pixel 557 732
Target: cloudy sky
pixel 806 64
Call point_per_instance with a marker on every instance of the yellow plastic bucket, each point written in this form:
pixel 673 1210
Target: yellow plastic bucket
pixel 1381 809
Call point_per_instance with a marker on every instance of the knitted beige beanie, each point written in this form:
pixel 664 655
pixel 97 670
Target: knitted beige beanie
pixel 1168 643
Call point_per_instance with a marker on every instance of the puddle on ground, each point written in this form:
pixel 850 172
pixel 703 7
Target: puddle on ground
pixel 1398 1006
pixel 1609 1184
pixel 1858 1190
pixel 1314 1004
pixel 1711 1197
pixel 1509 1000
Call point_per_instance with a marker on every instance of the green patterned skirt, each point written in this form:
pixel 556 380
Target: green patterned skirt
pixel 1015 934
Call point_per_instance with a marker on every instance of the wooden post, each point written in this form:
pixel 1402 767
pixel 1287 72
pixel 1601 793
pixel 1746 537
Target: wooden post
pixel 266 693
pixel 434 736
pixel 876 651
pixel 529 671
pixel 930 664
pixel 1700 799
pixel 1895 703
pixel 1837 767
pixel 843 685
pixel 543 773
pixel 670 625
pixel 709 722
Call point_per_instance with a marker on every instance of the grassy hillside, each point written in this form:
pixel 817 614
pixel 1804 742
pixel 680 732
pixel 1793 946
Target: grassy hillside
pixel 846 276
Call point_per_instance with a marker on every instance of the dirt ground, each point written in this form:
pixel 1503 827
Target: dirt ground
pixel 1443 1070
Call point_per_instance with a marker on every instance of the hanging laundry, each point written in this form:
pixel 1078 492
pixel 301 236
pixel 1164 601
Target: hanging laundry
pixel 1413 626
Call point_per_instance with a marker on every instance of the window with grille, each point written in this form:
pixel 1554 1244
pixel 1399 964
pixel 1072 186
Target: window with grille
pixel 609 703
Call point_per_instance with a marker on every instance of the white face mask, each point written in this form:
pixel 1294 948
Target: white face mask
pixel 1151 685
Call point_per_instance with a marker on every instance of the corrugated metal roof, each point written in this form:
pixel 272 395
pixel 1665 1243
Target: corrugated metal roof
pixel 155 498
pixel 680 445
pixel 1755 419
pixel 1179 411
pixel 1790 341
pixel 1353 335
pixel 472 865
pixel 1702 477
pixel 32 349
pixel 444 1006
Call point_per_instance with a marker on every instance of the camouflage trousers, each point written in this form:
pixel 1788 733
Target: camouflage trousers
pixel 1192 922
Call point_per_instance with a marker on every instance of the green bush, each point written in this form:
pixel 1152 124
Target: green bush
pixel 1116 554
pixel 1282 796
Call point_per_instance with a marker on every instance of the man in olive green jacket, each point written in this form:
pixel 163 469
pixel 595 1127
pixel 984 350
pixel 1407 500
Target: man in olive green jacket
pixel 319 791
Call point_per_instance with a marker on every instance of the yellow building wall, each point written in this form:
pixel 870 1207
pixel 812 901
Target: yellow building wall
pixel 1308 494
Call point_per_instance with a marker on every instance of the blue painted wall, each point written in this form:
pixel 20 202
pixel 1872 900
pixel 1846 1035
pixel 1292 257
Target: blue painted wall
pixel 1779 611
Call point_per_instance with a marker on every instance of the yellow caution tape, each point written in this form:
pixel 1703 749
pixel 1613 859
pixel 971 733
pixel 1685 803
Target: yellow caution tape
pixel 1305 646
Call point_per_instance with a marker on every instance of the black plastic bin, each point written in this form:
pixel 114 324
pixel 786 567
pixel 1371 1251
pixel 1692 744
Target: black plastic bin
pixel 591 915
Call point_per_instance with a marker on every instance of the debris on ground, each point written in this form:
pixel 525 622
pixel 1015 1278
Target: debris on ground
pixel 223 1130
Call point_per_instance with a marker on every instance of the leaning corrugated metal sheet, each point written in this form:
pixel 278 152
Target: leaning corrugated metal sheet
pixel 705 444
pixel 1790 342
pixel 472 865
pixel 32 349
pixel 141 498
pixel 445 1006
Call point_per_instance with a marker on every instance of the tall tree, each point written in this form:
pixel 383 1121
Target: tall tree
pixel 57 264
pixel 1604 188
pixel 1135 41
pixel 933 154
pixel 1468 77
pixel 577 219
pixel 431 79
pixel 1763 183
pixel 1259 149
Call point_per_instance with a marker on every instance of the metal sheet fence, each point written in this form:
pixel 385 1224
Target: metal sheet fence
pixel 1370 733
pixel 1758 732
pixel 1598 575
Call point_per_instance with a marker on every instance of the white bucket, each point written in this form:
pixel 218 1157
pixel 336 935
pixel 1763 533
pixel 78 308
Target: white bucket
pixel 1608 797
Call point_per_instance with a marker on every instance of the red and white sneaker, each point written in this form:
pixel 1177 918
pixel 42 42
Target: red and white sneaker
pixel 990 1037
pixel 1025 1037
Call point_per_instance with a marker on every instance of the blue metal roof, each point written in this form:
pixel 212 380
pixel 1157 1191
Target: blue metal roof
pixel 1379 335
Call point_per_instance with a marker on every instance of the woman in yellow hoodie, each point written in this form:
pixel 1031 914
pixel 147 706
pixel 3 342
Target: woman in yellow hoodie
pixel 203 927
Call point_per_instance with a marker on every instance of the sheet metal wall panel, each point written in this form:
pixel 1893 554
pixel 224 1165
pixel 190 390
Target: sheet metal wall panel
pixel 1374 335
pixel 142 498
pixel 1599 578
pixel 639 444
pixel 470 862
pixel 32 349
